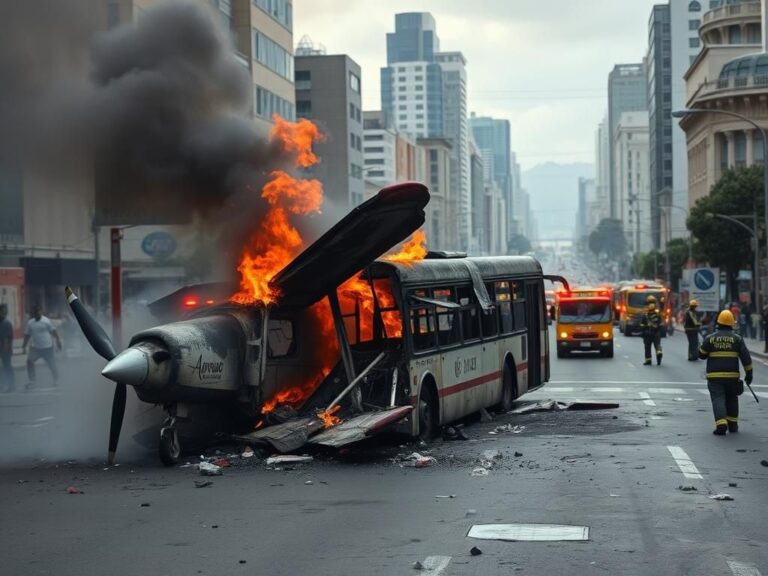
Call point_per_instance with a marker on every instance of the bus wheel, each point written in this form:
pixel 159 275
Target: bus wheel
pixel 608 352
pixel 508 391
pixel 428 417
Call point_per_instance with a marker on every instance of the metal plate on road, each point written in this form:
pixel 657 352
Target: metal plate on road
pixel 528 532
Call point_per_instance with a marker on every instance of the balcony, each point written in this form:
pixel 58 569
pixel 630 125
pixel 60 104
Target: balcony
pixel 744 86
pixel 731 24
pixel 732 11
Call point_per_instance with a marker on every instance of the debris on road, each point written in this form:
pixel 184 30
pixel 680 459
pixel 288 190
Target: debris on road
pixel 418 565
pixel 764 462
pixel 73 490
pixel 732 485
pixel 687 488
pixel 553 405
pixel 221 463
pixel 309 482
pixel 518 454
pixel 445 496
pixel 288 459
pixel 145 505
pixel 529 532
pixel 248 453
pixel 453 433
pixel 470 512
pixel 475 551
pixel 485 416
pixel 479 472
pixel 209 469
pixel 415 460
pixel 575 457
pixel 203 483
pixel 516 429
pixel 721 497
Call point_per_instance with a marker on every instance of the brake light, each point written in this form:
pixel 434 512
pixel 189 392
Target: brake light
pixel 190 302
pixel 209 302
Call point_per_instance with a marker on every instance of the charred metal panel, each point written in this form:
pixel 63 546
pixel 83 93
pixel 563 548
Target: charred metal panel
pixel 360 427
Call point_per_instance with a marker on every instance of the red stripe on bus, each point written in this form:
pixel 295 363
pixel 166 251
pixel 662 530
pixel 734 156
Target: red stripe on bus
pixel 469 384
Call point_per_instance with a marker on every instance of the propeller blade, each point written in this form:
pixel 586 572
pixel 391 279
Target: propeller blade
pixel 93 332
pixel 118 411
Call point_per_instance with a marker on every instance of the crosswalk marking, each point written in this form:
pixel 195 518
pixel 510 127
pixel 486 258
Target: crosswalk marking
pixel 606 389
pixel 743 569
pixel 556 389
pixel 666 391
pixel 684 462
pixel 647 399
pixel 434 565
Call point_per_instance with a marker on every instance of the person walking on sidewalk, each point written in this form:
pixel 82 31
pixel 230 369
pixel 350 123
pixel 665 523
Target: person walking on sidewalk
pixel 41 333
pixel 692 327
pixel 722 351
pixel 755 321
pixel 6 350
pixel 652 326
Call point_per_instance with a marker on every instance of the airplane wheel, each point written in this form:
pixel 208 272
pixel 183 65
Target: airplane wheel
pixel 169 448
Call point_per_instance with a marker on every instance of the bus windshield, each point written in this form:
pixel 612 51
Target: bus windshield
pixel 585 311
pixel 640 299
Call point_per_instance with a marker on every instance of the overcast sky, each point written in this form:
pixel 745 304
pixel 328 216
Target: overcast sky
pixel 541 64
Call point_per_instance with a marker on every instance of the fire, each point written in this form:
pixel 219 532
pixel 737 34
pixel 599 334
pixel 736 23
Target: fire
pixel 328 418
pixel 412 251
pixel 277 241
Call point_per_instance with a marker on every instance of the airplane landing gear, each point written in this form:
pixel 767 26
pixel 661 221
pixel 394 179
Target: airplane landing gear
pixel 169 447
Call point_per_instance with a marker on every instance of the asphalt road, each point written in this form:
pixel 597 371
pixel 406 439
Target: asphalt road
pixel 617 472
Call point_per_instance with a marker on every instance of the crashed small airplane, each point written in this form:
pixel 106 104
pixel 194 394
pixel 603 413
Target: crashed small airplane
pixel 420 342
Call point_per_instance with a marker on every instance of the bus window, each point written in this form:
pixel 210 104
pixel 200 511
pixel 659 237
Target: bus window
pixel 422 329
pixel 470 318
pixel 503 301
pixel 280 340
pixel 448 329
pixel 518 300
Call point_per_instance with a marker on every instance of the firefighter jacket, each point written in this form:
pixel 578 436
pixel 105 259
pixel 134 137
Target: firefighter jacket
pixel 692 322
pixel 722 350
pixel 651 321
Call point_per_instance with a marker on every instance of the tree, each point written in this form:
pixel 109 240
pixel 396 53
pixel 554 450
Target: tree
pixel 724 244
pixel 608 238
pixel 518 244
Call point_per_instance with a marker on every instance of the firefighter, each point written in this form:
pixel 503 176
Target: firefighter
pixel 692 327
pixel 722 350
pixel 652 325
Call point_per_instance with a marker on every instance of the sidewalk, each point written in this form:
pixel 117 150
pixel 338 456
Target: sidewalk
pixel 756 348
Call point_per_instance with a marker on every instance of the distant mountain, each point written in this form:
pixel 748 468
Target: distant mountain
pixel 554 191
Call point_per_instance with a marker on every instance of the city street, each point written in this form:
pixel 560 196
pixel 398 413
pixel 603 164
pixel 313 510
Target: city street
pixel 618 472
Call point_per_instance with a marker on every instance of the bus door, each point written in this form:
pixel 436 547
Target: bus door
pixel 533 312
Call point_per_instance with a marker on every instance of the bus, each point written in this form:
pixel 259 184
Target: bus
pixel 633 301
pixel 584 321
pixel 473 335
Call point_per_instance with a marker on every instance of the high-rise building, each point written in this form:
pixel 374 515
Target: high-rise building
pixel 586 214
pixel 603 170
pixel 632 179
pixel 328 92
pixel 492 137
pixel 424 94
pixel 626 93
pixel 439 158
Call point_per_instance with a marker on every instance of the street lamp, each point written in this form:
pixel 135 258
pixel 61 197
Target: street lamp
pixel 753 232
pixel 684 112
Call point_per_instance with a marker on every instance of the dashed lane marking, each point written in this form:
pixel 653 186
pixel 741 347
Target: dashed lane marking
pixel 632 382
pixel 684 462
pixel 556 389
pixel 647 399
pixel 606 389
pixel 667 391
pixel 434 565
pixel 743 569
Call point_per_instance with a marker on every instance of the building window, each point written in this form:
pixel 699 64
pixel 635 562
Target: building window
pixel 694 6
pixel 694 42
pixel 354 82
pixel 758 149
pixel 419 116
pixel 376 173
pixel 420 126
pixel 401 88
pixel 401 78
pixel 723 153
pixel 356 171
pixel 358 117
pixel 304 108
pixel 402 107
pixel 374 137
pixel 269 53
pixel 374 149
pixel 303 79
pixel 419 78
pixel 401 97
pixel 401 68
pixel 266 104
pixel 418 68
pixel 694 24
pixel 419 106
pixel 419 87
pixel 369 161
pixel 403 117
pixel 419 96
pixel 734 35
pixel 279 10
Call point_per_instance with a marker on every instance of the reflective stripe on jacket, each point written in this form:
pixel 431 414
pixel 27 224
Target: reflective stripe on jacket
pixel 722 351
pixel 692 322
pixel 651 320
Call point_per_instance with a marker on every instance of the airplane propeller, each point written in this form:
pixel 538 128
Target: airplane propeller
pixel 101 343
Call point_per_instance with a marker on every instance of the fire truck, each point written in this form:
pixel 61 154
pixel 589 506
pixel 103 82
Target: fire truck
pixel 584 319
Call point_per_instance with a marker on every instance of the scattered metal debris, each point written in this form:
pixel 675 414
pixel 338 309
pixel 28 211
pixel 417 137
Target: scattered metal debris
pixel 516 429
pixel 203 483
pixel 208 469
pixel 732 485
pixel 687 488
pixel 721 497
pixel 479 472
pixel 415 460
pixel 553 405
pixel 248 453
pixel 763 462
pixel 145 505
pixel 528 532
pixel 475 551
pixel 445 496
pixel 288 459
pixel 418 565
pixel 518 454
pixel 454 433
pixel 73 490
pixel 309 482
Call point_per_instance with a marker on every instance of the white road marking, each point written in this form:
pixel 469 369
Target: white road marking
pixel 667 391
pixel 761 394
pixel 631 365
pixel 703 392
pixel 743 569
pixel 684 462
pixel 634 382
pixel 647 399
pixel 528 532
pixel 555 389
pixel 606 389
pixel 434 565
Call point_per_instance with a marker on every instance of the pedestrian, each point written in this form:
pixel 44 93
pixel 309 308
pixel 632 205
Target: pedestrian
pixel 652 325
pixel 722 351
pixel 7 382
pixel 754 321
pixel 41 333
pixel 744 320
pixel 692 327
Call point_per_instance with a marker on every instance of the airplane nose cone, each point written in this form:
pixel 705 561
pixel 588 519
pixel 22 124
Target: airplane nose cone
pixel 129 367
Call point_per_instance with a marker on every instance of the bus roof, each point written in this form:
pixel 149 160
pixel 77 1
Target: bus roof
pixel 430 271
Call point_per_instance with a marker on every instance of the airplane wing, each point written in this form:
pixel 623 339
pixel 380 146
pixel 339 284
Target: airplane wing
pixel 356 240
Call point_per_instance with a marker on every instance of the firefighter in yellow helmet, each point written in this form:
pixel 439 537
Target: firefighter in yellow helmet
pixel 722 350
pixel 692 325
pixel 652 325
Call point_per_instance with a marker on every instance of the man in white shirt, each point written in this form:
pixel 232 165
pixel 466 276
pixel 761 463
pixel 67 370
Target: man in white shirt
pixel 41 333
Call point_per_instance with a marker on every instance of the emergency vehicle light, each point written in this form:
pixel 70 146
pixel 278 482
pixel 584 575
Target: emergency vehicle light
pixel 190 302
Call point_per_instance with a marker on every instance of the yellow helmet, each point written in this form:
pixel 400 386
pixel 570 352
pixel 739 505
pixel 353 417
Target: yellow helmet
pixel 693 303
pixel 651 299
pixel 725 318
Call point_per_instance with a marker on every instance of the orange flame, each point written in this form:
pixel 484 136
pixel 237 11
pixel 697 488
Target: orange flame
pixel 412 251
pixel 328 418
pixel 277 241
